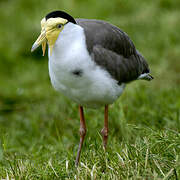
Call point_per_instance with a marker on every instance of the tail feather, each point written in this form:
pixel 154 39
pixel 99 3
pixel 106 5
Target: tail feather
pixel 145 71
pixel 146 76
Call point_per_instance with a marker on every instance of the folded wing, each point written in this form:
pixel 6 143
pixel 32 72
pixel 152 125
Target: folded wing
pixel 112 49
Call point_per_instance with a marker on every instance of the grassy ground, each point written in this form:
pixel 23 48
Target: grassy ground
pixel 39 127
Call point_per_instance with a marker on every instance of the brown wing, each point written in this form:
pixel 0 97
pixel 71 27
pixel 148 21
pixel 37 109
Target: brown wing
pixel 113 50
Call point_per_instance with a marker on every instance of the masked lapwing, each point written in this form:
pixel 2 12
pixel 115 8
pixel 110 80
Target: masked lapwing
pixel 90 62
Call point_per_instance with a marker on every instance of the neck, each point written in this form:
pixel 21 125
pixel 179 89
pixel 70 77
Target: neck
pixel 68 38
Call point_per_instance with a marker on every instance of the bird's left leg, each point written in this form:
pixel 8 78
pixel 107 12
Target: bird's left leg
pixel 104 131
pixel 82 132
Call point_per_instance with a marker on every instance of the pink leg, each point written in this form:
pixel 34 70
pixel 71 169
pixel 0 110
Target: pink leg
pixel 82 131
pixel 104 131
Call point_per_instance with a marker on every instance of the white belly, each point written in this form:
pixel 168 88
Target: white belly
pixel 94 87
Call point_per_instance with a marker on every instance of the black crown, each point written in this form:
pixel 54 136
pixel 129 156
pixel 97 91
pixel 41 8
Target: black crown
pixel 60 14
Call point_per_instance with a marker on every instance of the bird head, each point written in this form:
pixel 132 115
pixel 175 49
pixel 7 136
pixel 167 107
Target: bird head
pixel 51 26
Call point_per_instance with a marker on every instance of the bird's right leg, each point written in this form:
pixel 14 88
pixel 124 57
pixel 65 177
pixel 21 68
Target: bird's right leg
pixel 82 131
pixel 104 131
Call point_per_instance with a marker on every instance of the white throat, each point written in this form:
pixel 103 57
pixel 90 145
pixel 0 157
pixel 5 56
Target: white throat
pixel 68 39
pixel 70 52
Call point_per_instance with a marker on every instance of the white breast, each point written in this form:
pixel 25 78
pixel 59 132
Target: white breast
pixel 94 87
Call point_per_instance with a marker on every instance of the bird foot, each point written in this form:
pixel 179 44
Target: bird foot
pixel 82 132
pixel 104 133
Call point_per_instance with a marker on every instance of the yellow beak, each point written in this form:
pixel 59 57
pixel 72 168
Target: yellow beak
pixel 41 40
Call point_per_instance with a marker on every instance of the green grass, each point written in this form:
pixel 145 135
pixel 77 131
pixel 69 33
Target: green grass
pixel 39 127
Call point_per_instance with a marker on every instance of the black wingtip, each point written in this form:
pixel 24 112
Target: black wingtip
pixel 150 76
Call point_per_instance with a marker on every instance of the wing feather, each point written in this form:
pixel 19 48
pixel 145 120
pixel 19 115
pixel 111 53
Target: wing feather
pixel 113 50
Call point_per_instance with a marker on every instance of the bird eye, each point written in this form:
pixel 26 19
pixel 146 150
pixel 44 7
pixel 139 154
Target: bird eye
pixel 59 26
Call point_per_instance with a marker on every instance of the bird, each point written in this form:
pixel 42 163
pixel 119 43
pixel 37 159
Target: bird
pixel 91 62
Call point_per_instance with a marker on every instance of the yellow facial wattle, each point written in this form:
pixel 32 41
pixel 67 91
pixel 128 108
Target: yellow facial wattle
pixel 53 27
pixel 50 30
